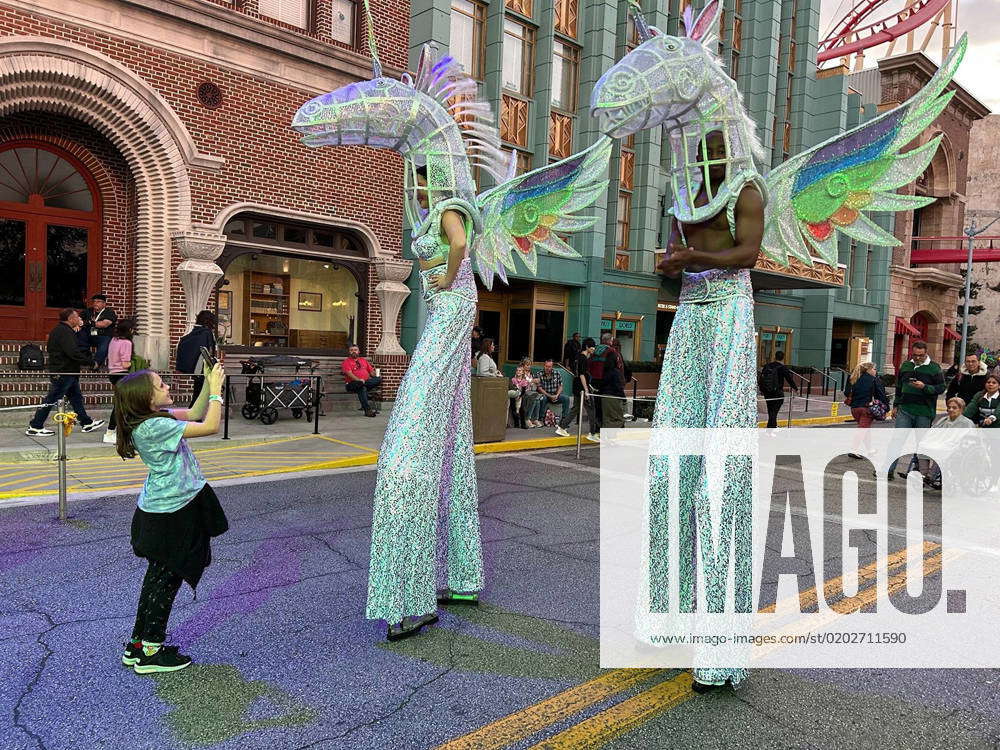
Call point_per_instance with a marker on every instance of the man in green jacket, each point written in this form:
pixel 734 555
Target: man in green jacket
pixel 918 383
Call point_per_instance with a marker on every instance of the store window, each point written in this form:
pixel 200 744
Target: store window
pixel 468 36
pixel 289 286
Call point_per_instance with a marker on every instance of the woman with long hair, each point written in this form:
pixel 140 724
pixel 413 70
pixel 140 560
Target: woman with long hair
pixel 119 362
pixel 177 513
pixel 863 387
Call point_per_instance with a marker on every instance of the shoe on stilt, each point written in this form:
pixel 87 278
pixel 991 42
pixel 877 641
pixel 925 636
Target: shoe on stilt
pixel 409 626
pixel 447 596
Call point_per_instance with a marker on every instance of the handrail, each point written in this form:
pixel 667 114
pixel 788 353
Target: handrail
pixel 827 378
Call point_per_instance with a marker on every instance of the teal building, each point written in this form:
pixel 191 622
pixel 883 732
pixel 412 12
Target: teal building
pixel 537 62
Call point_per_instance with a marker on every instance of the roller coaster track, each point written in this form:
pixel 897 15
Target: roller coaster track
pixel 850 36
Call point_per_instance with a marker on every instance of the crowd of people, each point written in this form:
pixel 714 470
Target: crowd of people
pixel 598 376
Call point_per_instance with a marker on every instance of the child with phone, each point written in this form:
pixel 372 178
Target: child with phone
pixel 178 512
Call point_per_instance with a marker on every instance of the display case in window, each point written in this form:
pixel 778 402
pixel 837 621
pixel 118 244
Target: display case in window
pixel 267 298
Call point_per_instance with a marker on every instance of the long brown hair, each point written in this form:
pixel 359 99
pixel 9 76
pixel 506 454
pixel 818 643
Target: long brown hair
pixel 133 406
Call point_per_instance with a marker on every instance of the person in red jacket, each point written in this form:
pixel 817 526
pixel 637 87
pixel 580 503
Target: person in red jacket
pixel 360 378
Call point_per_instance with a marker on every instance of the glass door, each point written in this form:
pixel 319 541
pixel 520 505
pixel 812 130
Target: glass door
pixel 18 276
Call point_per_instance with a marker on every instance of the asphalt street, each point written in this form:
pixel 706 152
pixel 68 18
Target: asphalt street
pixel 285 659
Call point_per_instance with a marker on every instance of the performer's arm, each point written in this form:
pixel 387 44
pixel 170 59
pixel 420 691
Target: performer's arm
pixel 454 230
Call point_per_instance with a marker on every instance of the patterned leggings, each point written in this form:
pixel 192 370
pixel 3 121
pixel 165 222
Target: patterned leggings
pixel 156 599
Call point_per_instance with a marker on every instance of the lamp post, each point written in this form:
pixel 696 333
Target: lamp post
pixel 971 232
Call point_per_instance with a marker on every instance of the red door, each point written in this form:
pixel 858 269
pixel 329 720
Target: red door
pixel 50 237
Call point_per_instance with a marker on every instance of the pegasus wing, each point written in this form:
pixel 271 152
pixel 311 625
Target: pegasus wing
pixel 528 213
pixel 821 193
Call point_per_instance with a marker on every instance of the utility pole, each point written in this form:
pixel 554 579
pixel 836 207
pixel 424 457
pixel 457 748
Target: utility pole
pixel 971 232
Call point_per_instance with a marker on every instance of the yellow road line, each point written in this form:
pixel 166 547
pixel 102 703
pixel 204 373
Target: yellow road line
pixel 836 585
pixel 526 722
pixel 344 442
pixel 603 727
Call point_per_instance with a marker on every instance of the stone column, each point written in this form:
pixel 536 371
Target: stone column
pixel 198 272
pixel 392 292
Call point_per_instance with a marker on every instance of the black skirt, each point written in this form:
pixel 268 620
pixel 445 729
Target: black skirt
pixel 181 540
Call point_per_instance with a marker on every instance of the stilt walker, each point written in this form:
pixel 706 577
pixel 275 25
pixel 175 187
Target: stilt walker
pixel 426 546
pixel 724 213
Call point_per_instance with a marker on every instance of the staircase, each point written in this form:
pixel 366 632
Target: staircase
pixel 26 388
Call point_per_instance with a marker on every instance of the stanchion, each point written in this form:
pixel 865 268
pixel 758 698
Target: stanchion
pixel 65 420
pixel 579 422
pixel 225 410
pixel 317 398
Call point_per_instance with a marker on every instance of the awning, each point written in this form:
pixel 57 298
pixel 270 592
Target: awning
pixel 904 327
pixel 950 334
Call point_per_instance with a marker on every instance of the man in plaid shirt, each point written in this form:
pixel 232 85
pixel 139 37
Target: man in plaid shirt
pixel 550 386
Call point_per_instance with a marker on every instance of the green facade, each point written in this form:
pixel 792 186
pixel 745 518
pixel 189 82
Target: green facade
pixel 820 108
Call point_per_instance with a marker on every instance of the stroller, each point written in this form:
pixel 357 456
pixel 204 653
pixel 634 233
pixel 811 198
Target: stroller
pixel 266 396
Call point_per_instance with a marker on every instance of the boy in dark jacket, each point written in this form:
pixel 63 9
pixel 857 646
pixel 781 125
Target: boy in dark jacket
pixel 65 356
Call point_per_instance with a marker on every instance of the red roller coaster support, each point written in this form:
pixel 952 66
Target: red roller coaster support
pixel 851 37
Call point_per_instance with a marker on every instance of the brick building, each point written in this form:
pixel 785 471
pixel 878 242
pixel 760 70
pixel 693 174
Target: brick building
pixel 145 152
pixel 924 298
pixel 984 200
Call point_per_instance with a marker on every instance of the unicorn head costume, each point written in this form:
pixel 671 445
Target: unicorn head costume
pixel 420 118
pixel 678 83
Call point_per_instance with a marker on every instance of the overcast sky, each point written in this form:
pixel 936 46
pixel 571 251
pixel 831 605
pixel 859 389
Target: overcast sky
pixel 980 18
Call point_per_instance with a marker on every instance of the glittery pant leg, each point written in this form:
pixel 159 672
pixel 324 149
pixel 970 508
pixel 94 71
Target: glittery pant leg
pixel 708 380
pixel 426 501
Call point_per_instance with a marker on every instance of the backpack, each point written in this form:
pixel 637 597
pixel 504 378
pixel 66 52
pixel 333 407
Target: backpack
pixel 138 363
pixel 30 357
pixel 770 380
pixel 597 362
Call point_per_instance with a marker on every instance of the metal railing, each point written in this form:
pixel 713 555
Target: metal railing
pixel 838 382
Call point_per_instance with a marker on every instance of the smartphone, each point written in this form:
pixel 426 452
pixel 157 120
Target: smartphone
pixel 206 355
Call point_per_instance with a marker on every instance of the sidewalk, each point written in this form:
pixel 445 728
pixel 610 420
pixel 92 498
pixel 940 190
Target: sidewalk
pixel 28 468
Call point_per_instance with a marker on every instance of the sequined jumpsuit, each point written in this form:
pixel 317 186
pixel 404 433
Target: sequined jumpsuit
pixel 425 525
pixel 708 379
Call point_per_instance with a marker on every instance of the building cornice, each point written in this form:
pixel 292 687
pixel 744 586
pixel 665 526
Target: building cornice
pixel 923 64
pixel 929 276
pixel 214 34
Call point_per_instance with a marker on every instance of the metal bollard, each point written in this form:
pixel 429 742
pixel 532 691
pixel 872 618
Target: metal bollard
pixel 61 459
pixel 579 423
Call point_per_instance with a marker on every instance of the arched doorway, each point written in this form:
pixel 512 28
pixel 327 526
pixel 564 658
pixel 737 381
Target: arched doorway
pixel 50 237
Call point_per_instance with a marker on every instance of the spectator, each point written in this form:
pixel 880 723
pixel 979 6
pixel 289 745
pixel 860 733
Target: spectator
pixel 863 387
pixel 189 349
pixel 360 378
pixel 919 383
pixel 984 408
pixel 582 397
pixel 953 419
pixel 550 387
pixel 119 363
pixel 484 361
pixel 527 403
pixel 971 379
pixel 66 358
pixel 99 323
pixel 771 381
pixel 613 389
pixel 571 351
pixel 596 366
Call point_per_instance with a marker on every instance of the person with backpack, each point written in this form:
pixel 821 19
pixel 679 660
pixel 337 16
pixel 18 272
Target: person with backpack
pixel 189 349
pixel 177 512
pixel 771 382
pixel 120 354
pixel 599 362
pixel 65 359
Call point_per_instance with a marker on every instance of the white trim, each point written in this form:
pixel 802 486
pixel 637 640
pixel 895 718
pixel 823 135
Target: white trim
pixel 371 241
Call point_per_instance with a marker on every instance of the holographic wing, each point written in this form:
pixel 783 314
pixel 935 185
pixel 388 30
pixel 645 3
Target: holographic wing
pixel 527 213
pixel 822 192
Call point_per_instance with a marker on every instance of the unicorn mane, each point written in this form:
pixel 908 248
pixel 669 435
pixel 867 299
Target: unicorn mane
pixel 443 80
